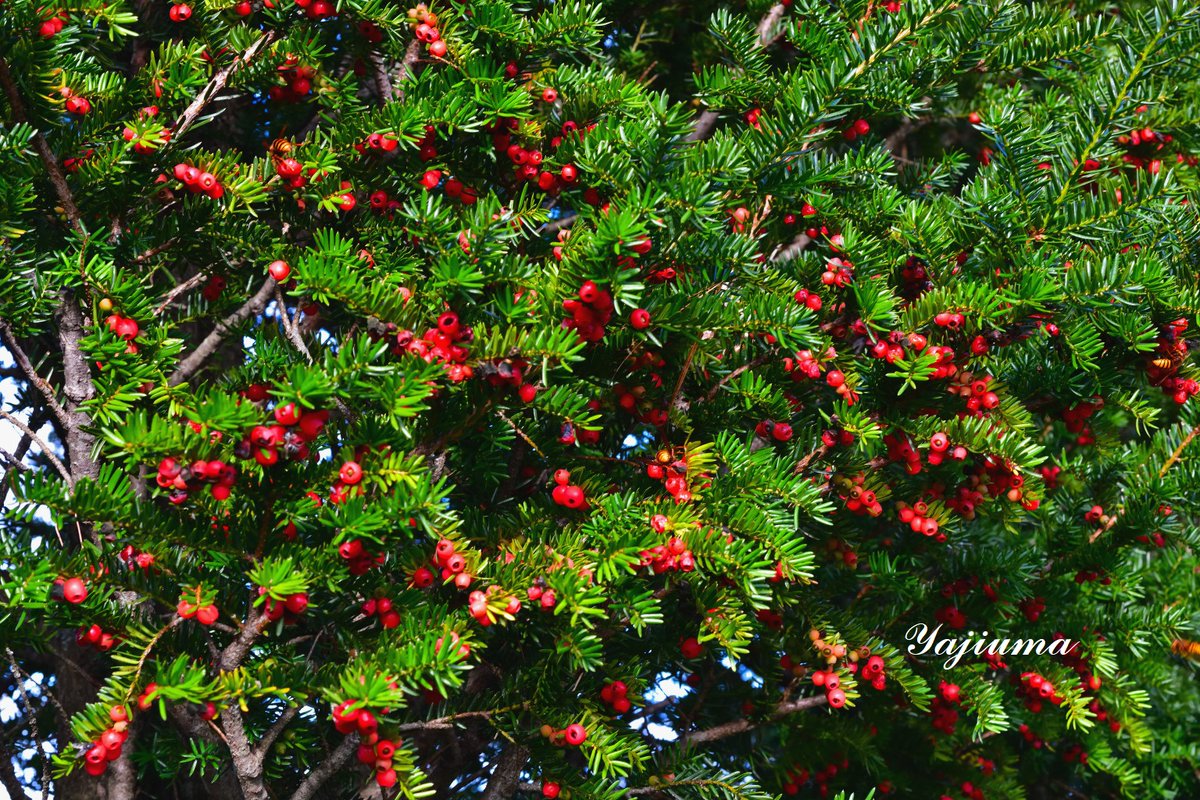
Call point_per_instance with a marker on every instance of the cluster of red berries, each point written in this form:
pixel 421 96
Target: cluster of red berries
pixel 289 609
pixel 538 593
pixel 831 683
pixel 1028 735
pixel 940 449
pixel 297 78
pixel 441 345
pixel 616 694
pixel 382 142
pixel 53 24
pixel 969 790
pixel 807 210
pixel 358 559
pixel 1037 690
pixel 943 711
pixel 979 397
pixel 672 556
pixel 74 163
pixel 805 365
pixel 191 605
pixel 590 312
pixel 857 128
pixel 915 517
pixel 795 778
pixel 769 429
pixel 858 498
pixel 288 437
pixel 479 607
pixel 673 473
pixel 837 437
pixel 124 327
pixel 452 187
pixel 573 735
pixel 873 673
pixel 107 748
pixel 379 756
pixel 425 30
pixel 451 563
pixel 134 558
pixel 198 181
pixel 95 636
pixel 181 480
pixel 1032 608
pixel 373 750
pixel 383 607
pixel 838 272
pixel 809 298
pixel 317 9
pixel 565 493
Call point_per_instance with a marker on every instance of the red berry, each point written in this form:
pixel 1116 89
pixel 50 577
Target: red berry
pixel 549 95
pixel 287 414
pixel 639 319
pixel 835 378
pixel 550 790
pixel 297 603
pixel 438 49
pixel 836 698
pixel 575 734
pixel 78 105
pixel 207 615
pixel 691 648
pixel 180 12
pixel 279 270
pixel 74 591
pixel 350 473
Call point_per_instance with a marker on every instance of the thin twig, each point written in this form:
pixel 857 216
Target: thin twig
pixel 217 83
pixel 195 360
pixel 40 442
pixel 290 329
pixel 1170 462
pixel 40 383
pixel 743 725
pixel 181 289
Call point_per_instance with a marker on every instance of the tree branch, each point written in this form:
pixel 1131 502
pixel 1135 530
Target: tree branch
pixel 290 328
pixel 272 733
pixel 22 359
pixel 327 768
pixel 217 83
pixel 41 443
pixel 195 360
pixel 181 289
pixel 506 775
pixel 725 730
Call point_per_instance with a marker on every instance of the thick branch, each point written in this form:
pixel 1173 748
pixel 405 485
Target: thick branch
pixel 327 768
pixel 195 360
pixel 506 775
pixel 247 762
pixel 724 731
pixel 40 383
pixel 217 83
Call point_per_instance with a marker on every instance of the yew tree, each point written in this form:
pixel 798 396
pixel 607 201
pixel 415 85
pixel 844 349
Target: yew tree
pixel 589 398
